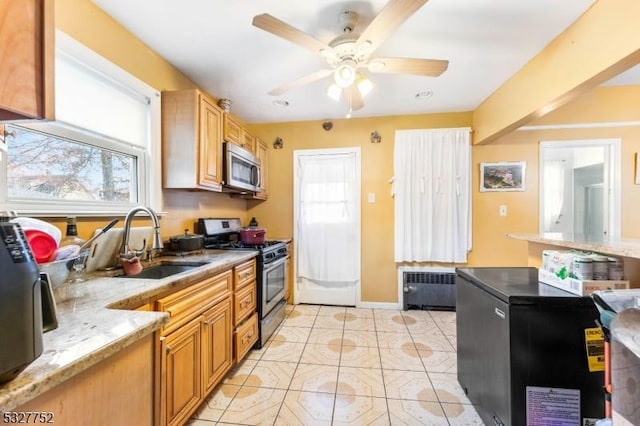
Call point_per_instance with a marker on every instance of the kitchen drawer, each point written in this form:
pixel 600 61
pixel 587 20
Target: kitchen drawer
pixel 244 337
pixel 245 273
pixel 185 304
pixel 244 303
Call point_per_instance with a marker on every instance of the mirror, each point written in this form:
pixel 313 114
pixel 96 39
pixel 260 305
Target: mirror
pixel 580 187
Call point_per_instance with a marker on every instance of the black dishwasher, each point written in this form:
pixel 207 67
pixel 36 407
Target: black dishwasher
pixel 522 354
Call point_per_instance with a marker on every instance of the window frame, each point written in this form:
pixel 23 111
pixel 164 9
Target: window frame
pixel 65 207
pixel 148 170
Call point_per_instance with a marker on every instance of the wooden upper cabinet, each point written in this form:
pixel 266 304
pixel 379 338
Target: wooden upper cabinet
pixel 210 167
pixel 261 151
pixel 248 141
pixel 235 133
pixel 27 57
pixel 232 130
pixel 191 141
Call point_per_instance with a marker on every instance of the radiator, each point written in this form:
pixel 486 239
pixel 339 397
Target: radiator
pixel 428 288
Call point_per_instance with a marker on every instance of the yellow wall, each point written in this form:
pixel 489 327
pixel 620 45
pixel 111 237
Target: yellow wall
pixel 490 246
pixel 602 105
pixel 85 22
pixel 88 24
pixel 379 280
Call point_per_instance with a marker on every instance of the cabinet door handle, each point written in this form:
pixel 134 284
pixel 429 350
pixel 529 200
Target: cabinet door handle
pixel 168 349
pixel 207 323
pixel 499 313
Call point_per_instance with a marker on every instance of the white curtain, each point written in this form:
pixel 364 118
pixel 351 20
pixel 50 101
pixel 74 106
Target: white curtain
pixel 328 247
pixel 553 193
pixel 432 195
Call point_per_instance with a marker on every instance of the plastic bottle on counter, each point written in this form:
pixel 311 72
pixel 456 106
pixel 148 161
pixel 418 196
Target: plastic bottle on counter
pixel 71 235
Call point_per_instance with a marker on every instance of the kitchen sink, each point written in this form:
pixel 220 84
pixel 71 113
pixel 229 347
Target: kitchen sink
pixel 164 269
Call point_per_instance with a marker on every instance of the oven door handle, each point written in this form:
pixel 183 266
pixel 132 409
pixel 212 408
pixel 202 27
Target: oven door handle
pixel 268 267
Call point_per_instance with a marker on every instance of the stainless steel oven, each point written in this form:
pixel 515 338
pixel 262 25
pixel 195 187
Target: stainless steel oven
pixel 271 264
pixel 274 284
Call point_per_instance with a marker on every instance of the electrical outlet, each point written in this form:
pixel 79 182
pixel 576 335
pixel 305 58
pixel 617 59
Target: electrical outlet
pixel 371 197
pixel 503 210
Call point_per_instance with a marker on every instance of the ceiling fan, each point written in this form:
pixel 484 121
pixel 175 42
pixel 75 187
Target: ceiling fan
pixel 349 53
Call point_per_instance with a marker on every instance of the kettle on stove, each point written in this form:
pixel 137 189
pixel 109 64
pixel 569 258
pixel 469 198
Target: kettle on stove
pixel 22 305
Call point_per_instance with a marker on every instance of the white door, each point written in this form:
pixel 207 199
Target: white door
pixel 327 226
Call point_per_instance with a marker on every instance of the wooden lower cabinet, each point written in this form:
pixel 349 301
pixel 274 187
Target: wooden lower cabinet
pixel 195 347
pixel 217 356
pixel 244 303
pixel 245 335
pixel 181 372
pixel 245 317
pixel 116 391
pixel 193 360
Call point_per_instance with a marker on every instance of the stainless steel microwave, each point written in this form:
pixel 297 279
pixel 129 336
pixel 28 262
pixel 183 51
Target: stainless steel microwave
pixel 240 168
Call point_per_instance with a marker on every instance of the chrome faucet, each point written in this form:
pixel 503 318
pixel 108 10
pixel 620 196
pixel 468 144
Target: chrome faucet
pixel 125 251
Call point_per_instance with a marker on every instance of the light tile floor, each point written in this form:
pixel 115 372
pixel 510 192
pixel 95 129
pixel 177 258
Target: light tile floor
pixel 330 365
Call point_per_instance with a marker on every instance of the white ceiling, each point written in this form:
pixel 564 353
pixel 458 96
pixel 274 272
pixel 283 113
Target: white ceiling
pixel 214 43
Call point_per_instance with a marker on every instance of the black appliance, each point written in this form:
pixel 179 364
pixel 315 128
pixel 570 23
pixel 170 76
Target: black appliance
pixel 271 279
pixel 25 300
pixel 521 348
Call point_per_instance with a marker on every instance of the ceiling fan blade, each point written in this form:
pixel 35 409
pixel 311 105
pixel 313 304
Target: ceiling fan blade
pixel 425 67
pixel 353 98
pixel 281 29
pixel 390 18
pixel 300 82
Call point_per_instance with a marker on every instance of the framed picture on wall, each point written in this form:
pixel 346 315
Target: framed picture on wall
pixel 504 176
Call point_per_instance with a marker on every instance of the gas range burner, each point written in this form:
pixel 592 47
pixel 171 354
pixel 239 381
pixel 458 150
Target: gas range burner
pixel 224 234
pixel 231 245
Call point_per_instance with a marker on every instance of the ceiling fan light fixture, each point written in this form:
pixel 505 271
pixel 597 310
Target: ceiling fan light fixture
pixel 364 48
pixel 334 91
pixel 364 85
pixel 421 96
pixel 345 75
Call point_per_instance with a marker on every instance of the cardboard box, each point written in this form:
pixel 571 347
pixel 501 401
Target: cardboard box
pixel 579 287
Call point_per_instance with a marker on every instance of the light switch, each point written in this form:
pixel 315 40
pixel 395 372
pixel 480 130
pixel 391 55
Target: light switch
pixel 371 197
pixel 503 210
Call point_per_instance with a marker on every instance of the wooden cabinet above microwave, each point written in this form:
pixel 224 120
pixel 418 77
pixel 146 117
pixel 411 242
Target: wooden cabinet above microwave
pixel 235 133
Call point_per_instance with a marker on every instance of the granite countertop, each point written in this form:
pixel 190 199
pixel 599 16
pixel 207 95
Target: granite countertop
pixel 625 328
pixel 96 319
pixel 614 246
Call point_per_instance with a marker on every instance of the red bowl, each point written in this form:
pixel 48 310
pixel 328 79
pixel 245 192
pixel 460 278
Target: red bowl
pixel 42 245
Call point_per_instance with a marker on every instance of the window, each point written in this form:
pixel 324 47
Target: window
pixel 46 166
pixel 100 156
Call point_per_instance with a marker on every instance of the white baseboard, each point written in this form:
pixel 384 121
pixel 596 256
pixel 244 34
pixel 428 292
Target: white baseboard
pixel 379 305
